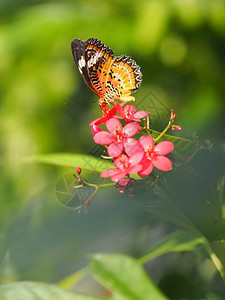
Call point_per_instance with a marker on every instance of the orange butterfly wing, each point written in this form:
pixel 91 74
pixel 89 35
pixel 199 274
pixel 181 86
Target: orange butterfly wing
pixel 124 78
pixel 99 59
pixel 109 77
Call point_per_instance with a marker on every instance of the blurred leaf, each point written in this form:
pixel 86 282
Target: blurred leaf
pixel 86 162
pixel 37 291
pixel 68 282
pixel 218 247
pixel 123 276
pixel 188 198
pixel 175 242
pixel 182 148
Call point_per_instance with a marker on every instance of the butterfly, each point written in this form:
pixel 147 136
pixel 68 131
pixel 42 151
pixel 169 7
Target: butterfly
pixel 110 77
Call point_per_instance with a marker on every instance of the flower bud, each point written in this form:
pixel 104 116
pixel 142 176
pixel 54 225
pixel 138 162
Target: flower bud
pixel 178 127
pixel 87 202
pixel 95 129
pixel 78 170
pixel 174 116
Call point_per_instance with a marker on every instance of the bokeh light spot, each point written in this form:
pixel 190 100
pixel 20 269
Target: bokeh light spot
pixel 173 50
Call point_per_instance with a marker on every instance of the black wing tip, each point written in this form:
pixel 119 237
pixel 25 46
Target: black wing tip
pixel 135 67
pixel 93 41
pixel 77 44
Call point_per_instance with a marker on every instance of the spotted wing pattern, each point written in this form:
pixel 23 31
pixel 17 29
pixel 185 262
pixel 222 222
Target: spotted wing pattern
pixel 109 77
pixel 99 59
pixel 93 60
pixel 124 78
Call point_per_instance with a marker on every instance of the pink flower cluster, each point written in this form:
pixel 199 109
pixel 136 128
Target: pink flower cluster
pixel 129 155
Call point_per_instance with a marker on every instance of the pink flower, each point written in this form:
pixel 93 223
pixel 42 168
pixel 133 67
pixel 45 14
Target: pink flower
pixel 124 166
pixel 129 113
pixel 133 147
pixel 117 136
pixel 154 155
pixel 107 114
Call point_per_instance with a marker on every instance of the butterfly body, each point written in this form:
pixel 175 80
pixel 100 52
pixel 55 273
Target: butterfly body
pixel 110 77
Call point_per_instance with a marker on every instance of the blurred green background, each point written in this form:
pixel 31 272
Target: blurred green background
pixel 45 107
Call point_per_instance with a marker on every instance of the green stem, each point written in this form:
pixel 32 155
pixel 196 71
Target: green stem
pixel 99 186
pixel 90 184
pixel 147 127
pixel 148 131
pixel 163 132
pixel 106 185
pixel 97 189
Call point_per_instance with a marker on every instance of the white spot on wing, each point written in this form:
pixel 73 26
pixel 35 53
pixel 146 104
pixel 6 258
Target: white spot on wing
pixel 81 62
pixel 92 61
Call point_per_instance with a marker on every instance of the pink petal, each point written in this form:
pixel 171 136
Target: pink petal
pixel 119 176
pixel 131 129
pixel 147 168
pixel 141 114
pixel 146 141
pixel 109 173
pixel 130 108
pixel 104 138
pixel 135 169
pixel 115 149
pixel 118 117
pixel 162 163
pixel 132 146
pixel 136 120
pixel 136 158
pixel 120 161
pixel 112 124
pixel 164 148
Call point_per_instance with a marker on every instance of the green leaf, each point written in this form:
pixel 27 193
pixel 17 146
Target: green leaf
pixel 218 248
pixel 38 291
pixel 175 242
pixel 188 197
pixel 68 282
pixel 124 277
pixel 85 162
